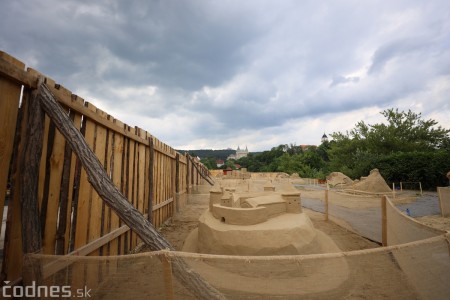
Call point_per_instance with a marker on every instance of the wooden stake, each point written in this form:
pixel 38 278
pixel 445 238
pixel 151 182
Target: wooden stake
pixel 383 221
pixel 29 181
pixel 177 181
pixel 167 271
pixel 151 194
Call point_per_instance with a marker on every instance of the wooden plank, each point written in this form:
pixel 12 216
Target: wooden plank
pixel 56 164
pixel 129 185
pixel 141 179
pixel 118 150
pixel 87 249
pixel 384 221
pixel 29 181
pixel 95 202
pixel 66 194
pixel 95 211
pixel 55 266
pixel 161 188
pixel 45 171
pixel 12 255
pixel 106 211
pixel 68 185
pixel 9 108
pixel 124 189
pixel 76 185
pixel 162 204
pixel 146 175
pixel 133 181
pixel 159 194
pixel 163 183
pixel 84 194
pixel 187 174
pixel 50 202
pixel 151 172
pixel 177 182
pixel 45 177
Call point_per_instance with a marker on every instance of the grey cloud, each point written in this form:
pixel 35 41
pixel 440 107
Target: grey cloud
pixel 395 49
pixel 339 79
pixel 235 66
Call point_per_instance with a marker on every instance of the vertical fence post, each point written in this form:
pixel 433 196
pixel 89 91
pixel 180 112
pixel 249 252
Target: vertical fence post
pixel 29 182
pixel 187 173
pixel 150 180
pixel 401 186
pixel 393 189
pixel 64 198
pixel 192 172
pixel 326 205
pixel 420 186
pixel 383 221
pixel 177 182
pixel 167 271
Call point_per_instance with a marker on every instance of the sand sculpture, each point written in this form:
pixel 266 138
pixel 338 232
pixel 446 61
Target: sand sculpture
pixel 373 183
pixel 246 219
pixel 338 179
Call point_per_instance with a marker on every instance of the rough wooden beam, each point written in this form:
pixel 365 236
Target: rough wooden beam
pixel 29 181
pixel 114 199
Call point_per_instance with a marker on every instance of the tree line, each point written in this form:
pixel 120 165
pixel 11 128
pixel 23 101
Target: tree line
pixel 405 148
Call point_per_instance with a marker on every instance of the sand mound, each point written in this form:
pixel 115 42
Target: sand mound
pixel 282 175
pixel 338 179
pixel 373 183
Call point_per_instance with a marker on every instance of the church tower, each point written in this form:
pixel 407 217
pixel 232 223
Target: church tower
pixel 324 138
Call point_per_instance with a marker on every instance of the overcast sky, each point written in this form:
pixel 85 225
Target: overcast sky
pixel 217 74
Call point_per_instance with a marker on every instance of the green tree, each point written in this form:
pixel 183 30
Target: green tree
pixel 403 132
pixel 209 162
pixel 395 147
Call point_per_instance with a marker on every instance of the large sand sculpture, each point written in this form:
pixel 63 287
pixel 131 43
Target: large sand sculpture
pixel 373 183
pixel 245 220
pixel 263 217
pixel 338 179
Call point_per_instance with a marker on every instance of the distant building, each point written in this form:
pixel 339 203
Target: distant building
pixel 305 147
pixel 239 153
pixel 324 138
pixel 219 163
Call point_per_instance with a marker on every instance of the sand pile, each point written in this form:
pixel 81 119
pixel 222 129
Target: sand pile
pixel 282 175
pixel 338 179
pixel 373 183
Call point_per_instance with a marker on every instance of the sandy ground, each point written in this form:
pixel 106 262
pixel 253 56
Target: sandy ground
pixel 369 276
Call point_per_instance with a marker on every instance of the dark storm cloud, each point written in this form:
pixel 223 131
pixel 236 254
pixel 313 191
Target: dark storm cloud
pixel 223 70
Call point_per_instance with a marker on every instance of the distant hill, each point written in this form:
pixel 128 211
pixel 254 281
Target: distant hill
pixel 205 153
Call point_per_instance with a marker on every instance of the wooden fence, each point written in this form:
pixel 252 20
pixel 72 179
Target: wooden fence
pixel 73 218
